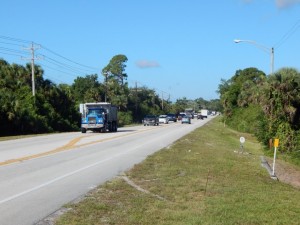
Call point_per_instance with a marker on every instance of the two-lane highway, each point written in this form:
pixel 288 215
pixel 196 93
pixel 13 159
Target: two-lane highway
pixel 39 175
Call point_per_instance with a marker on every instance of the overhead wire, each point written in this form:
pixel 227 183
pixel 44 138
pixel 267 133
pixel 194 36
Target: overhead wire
pixel 10 51
pixel 54 69
pixel 62 67
pixel 15 39
pixel 69 59
pixel 70 68
pixel 288 34
pixel 154 89
pixel 11 43
pixel 5 53
pixel 13 50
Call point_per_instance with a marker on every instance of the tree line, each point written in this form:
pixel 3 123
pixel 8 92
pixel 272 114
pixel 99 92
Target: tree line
pixel 55 107
pixel 267 106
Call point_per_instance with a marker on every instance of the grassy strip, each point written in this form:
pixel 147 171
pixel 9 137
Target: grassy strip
pixel 15 137
pixel 202 179
pixel 7 138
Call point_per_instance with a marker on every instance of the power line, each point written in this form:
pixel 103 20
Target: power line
pixel 71 75
pixel 64 66
pixel 156 90
pixel 93 68
pixel 45 48
pixel 288 34
pixel 10 54
pixel 15 39
pixel 58 61
pixel 10 43
pixel 13 50
pixel 61 66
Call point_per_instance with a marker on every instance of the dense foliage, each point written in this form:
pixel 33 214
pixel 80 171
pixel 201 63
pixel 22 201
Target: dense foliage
pixel 51 109
pixel 267 106
pixel 55 108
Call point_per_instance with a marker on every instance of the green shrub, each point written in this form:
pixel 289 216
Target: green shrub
pixel 124 118
pixel 246 119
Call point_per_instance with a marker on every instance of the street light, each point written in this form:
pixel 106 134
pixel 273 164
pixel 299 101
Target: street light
pixel 262 47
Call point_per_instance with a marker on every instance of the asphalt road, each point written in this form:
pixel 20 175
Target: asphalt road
pixel 39 175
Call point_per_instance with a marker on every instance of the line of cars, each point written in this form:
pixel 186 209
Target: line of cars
pixel 154 120
pixel 183 117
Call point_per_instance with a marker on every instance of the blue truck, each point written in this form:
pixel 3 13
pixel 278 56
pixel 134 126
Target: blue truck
pixel 98 117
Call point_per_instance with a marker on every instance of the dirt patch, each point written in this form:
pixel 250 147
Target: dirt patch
pixel 286 173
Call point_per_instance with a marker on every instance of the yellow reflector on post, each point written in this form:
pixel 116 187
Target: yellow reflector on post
pixel 276 142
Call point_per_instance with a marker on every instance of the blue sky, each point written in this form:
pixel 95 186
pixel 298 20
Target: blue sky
pixel 180 48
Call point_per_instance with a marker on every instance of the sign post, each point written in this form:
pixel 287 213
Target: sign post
pixel 276 144
pixel 242 140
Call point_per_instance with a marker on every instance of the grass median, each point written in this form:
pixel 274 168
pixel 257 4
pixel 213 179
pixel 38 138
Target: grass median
pixel 203 178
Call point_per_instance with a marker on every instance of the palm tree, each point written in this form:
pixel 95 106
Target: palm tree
pixel 280 100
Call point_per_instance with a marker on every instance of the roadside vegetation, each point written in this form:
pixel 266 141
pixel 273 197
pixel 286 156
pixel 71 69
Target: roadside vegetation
pixel 266 106
pixel 203 178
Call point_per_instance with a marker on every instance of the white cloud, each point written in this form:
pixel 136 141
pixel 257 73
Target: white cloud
pixel 281 4
pixel 147 64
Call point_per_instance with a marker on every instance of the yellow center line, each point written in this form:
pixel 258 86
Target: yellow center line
pixel 68 146
pixel 59 149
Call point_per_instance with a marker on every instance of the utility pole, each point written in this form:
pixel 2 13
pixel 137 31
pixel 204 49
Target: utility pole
pixel 105 97
pixel 272 60
pixel 136 101
pixel 32 49
pixel 162 100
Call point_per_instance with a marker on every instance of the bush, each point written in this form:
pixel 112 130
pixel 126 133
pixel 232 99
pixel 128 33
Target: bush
pixel 124 118
pixel 246 119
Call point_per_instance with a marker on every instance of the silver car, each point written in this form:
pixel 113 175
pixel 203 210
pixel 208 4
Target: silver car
pixel 186 119
pixel 163 119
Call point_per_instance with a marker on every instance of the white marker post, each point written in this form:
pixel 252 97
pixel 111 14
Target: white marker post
pixel 276 144
pixel 242 140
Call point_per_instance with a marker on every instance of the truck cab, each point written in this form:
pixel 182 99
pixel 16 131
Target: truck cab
pixel 98 117
pixel 93 120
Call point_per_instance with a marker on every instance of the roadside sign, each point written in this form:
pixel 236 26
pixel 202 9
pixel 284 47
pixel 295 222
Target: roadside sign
pixel 242 140
pixel 276 142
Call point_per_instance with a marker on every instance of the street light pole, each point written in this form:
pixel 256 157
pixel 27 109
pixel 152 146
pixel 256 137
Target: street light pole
pixel 262 47
pixel 272 60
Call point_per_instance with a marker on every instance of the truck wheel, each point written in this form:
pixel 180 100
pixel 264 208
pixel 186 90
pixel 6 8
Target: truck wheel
pixel 115 127
pixel 110 127
pixel 104 128
pixel 83 130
